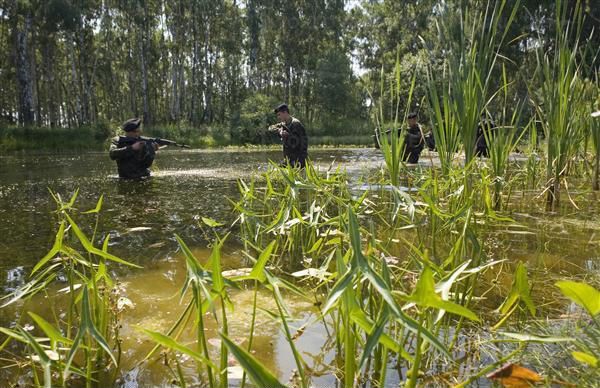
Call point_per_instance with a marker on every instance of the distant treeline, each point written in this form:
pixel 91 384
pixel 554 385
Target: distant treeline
pixel 224 64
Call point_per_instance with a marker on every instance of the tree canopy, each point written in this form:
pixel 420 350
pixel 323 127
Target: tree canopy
pixel 72 63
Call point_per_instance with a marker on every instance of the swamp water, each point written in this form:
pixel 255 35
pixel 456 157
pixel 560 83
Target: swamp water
pixel 142 218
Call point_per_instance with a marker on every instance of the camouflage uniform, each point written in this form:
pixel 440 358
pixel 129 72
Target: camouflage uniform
pixel 413 144
pixel 130 163
pixel 295 144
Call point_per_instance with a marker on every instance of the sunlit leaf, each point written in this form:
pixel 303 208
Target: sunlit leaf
pixel 212 223
pixel 585 358
pixel 426 296
pixel 98 206
pixel 49 330
pixel 257 372
pixel 42 357
pixel 583 294
pixel 56 247
pixel 258 268
pixel 169 343
pixel 90 248
pixel 536 338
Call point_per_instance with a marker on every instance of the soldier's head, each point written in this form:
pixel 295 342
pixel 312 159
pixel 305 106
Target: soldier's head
pixel 412 119
pixel 282 112
pixel 132 127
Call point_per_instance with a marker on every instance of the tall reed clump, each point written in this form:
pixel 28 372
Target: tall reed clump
pixel 367 306
pixel 559 101
pixel 81 338
pixel 594 126
pixel 392 142
pixel 465 89
pixel 502 141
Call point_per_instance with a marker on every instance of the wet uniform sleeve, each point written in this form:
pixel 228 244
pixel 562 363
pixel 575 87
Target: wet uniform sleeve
pixel 116 153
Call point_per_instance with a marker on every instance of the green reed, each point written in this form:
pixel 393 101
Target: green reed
pixel 594 126
pixel 502 141
pixel 372 313
pixel 84 342
pixel 561 99
pixel 466 88
pixel 391 142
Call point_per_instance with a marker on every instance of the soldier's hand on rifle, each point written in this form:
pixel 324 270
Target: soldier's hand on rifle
pixel 138 145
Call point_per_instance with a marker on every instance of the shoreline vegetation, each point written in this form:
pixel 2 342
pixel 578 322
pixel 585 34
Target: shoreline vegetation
pixel 97 138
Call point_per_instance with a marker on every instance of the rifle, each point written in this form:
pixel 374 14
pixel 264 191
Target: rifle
pixel 157 140
pixel 277 127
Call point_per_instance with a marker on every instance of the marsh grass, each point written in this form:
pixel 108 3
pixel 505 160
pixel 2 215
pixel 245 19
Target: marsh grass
pixel 373 313
pixel 559 102
pixel 594 125
pixel 391 142
pixel 462 94
pixel 397 279
pixel 502 141
pixel 84 339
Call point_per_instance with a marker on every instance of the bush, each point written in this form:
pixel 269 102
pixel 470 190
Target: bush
pixel 255 116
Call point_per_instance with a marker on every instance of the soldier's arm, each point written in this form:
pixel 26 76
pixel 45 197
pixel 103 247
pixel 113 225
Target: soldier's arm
pixel 117 153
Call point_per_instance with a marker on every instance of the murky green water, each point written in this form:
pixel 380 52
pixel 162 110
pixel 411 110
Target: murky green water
pixel 143 217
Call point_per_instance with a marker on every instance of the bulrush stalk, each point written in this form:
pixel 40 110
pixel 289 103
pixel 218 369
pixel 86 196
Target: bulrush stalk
pixel 560 102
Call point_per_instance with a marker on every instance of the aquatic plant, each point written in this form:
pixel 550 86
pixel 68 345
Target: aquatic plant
pixel 502 141
pixel 84 336
pixel 559 101
pixel 391 142
pixel 462 93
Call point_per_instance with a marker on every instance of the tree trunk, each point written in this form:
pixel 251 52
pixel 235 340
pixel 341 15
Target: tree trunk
pixel 146 108
pixel 253 32
pixel 51 95
pixel 208 94
pixel 74 89
pixel 24 78
pixel 143 67
pixel 84 76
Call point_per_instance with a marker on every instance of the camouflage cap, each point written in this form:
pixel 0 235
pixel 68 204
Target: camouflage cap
pixel 282 108
pixel 131 124
pixel 412 115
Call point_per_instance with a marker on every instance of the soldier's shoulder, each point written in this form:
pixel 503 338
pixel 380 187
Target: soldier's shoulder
pixel 295 121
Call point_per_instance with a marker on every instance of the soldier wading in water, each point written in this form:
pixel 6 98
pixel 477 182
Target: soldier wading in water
pixel 134 158
pixel 414 141
pixel 293 136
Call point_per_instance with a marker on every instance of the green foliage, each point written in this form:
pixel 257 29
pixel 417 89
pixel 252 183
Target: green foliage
pixel 92 310
pixel 583 294
pixel 257 372
pixel 559 101
pixel 256 114
pixel 520 292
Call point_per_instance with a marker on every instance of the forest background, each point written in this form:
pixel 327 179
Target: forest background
pixel 209 72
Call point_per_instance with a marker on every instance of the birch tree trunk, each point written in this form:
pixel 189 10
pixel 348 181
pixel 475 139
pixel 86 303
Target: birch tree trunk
pixel 24 78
